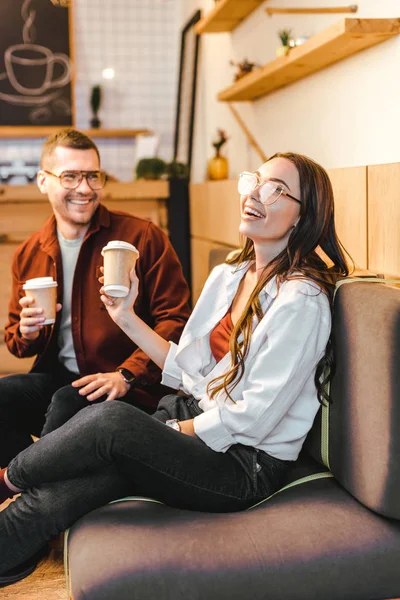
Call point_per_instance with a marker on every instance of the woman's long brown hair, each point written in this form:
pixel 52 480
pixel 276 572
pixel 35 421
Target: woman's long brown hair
pixel 299 260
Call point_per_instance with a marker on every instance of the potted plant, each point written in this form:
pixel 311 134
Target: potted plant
pixel 177 170
pixel 284 36
pixel 95 101
pixel 218 165
pixel 150 168
pixel 242 68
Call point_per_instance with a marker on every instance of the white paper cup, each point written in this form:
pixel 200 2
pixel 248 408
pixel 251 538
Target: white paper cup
pixel 44 292
pixel 119 258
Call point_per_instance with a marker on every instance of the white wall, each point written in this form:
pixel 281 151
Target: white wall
pixel 345 115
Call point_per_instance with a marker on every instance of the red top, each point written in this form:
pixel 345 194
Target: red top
pixel 219 337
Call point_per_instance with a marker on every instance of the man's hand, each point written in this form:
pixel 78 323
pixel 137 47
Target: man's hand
pixel 100 384
pixel 187 427
pixel 31 319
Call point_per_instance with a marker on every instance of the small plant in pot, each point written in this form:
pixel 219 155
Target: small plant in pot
pixel 150 168
pixel 242 68
pixel 285 37
pixel 177 170
pixel 95 102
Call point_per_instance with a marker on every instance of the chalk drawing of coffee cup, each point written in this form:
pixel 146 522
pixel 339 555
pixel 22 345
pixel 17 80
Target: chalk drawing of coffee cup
pixel 30 68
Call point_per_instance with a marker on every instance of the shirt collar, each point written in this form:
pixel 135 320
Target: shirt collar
pixel 271 288
pixel 237 272
pixel 48 234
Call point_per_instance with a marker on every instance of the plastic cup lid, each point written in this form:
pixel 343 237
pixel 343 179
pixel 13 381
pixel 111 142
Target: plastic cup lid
pixel 119 245
pixel 119 291
pixel 39 282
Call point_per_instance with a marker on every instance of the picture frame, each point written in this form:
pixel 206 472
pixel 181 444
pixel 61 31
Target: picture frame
pixel 186 100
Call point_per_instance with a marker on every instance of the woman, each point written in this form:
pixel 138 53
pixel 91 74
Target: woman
pixel 249 363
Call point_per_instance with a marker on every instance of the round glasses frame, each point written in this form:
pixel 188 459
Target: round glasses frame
pixel 99 183
pixel 245 187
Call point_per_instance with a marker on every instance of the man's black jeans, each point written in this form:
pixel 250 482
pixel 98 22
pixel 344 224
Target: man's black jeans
pixel 38 403
pixel 23 404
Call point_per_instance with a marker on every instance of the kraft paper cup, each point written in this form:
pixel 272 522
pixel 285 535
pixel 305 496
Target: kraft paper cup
pixel 44 291
pixel 119 258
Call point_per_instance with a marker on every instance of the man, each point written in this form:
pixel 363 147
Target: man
pixel 84 346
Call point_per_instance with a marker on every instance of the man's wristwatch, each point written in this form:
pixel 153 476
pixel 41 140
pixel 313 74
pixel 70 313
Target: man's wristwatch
pixel 127 376
pixel 174 424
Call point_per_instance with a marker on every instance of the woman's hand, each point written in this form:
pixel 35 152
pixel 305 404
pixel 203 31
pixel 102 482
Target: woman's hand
pixel 122 313
pixel 120 308
pixel 187 427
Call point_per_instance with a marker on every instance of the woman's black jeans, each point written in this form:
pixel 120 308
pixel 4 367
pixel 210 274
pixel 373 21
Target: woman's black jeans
pixel 113 449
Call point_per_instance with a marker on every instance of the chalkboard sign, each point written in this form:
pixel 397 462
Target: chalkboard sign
pixel 35 64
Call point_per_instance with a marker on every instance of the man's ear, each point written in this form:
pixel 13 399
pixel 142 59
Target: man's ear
pixel 41 181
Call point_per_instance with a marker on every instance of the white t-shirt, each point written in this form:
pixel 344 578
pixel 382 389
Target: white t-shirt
pixel 69 254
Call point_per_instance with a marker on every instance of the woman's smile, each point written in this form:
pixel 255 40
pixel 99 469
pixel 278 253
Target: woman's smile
pixel 251 213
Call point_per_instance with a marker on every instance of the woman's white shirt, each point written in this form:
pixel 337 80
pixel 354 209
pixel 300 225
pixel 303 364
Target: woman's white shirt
pixel 275 402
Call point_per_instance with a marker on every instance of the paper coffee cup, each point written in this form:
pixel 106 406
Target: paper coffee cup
pixel 119 258
pixel 44 291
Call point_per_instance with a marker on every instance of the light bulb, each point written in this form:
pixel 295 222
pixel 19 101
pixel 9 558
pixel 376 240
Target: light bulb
pixel 108 73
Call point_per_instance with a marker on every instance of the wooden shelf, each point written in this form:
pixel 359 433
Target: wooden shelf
pixel 226 15
pixel 120 190
pixel 141 189
pixel 116 133
pixel 336 43
pixel 353 8
pixel 17 132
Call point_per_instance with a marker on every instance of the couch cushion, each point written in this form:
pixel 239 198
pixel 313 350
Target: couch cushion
pixel 363 443
pixel 311 540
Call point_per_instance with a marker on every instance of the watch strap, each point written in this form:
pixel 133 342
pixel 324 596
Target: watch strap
pixel 174 424
pixel 127 376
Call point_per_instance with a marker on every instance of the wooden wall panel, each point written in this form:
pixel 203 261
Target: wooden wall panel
pixel 350 192
pixel 19 219
pixel 215 211
pixel 200 250
pixel 8 362
pixel 384 218
pixel 152 210
pixel 215 217
pixel 7 252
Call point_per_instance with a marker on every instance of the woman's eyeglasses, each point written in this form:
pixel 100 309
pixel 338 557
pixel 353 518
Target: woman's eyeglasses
pixel 70 180
pixel 269 191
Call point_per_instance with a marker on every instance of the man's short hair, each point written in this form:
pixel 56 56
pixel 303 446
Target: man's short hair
pixel 66 138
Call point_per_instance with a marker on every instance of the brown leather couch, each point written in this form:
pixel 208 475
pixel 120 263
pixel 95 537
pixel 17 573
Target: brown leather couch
pixel 333 532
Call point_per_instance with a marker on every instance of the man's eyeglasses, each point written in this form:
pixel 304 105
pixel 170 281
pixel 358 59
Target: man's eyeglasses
pixel 269 191
pixel 70 180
